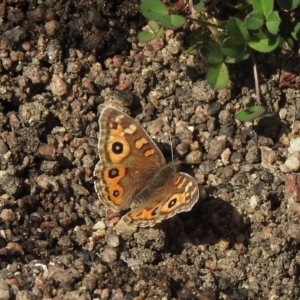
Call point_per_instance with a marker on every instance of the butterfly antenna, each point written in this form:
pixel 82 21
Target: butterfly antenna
pixel 171 145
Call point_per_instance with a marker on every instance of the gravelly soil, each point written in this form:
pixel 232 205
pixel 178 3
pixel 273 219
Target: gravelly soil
pixel 62 62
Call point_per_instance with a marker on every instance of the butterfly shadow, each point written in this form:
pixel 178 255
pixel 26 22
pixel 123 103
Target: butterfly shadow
pixel 210 221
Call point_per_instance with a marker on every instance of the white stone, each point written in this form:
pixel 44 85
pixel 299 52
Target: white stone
pixel 294 145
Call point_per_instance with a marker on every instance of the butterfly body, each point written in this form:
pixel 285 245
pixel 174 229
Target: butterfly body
pixel 132 173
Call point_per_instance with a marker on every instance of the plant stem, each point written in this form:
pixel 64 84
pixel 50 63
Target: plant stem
pixel 256 80
pixel 202 22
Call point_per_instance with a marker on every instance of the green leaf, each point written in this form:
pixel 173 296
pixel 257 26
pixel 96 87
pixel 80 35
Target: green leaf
pixel 198 4
pixel 232 47
pixel 288 5
pixel 272 22
pixel 236 29
pixel 160 32
pixel 146 36
pixel 157 11
pixel 254 20
pixel 192 50
pixel 154 26
pixel 263 6
pixel 154 9
pixel 296 32
pixel 243 56
pixel 264 43
pixel 173 21
pixel 250 113
pixel 289 42
pixel 211 53
pixel 218 76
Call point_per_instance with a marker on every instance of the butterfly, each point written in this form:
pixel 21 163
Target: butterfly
pixel 133 175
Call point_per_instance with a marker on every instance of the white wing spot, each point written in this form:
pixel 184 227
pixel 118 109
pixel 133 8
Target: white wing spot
pixel 131 129
pixel 119 118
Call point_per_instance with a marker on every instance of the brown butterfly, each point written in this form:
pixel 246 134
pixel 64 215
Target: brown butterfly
pixel 132 173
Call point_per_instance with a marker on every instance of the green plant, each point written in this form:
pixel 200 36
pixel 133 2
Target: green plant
pixel 157 11
pixel 250 113
pixel 160 18
pixel 251 27
pixel 156 31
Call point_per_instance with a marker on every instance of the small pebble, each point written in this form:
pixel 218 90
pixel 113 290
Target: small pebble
pixel 294 146
pixel 216 147
pixel 292 164
pixel 112 239
pixel 4 290
pixel 108 255
pixel 58 86
pixel 7 215
pixel 194 157
pixel 292 191
pixel 3 147
pixel 52 27
pixel 225 156
pixel 254 201
pixel 99 225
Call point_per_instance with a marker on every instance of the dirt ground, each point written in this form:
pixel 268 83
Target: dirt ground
pixel 61 63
